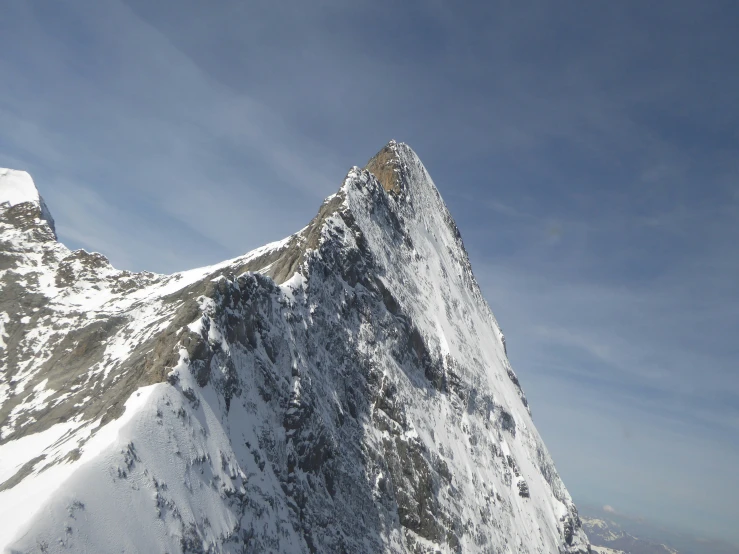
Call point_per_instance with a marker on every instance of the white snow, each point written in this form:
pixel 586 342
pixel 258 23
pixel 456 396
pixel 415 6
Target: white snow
pixel 4 318
pixel 606 550
pixel 15 453
pixel 19 504
pixel 442 338
pixel 17 187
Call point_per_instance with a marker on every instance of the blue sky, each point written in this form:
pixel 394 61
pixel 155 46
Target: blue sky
pixel 588 152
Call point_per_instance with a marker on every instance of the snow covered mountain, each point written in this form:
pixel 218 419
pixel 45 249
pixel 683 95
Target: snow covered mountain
pixel 343 390
pixel 610 538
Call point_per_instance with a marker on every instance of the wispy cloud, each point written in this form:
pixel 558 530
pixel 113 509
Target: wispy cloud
pixel 161 134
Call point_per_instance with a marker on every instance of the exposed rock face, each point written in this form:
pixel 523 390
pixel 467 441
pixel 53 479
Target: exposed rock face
pixel 343 390
pixel 388 168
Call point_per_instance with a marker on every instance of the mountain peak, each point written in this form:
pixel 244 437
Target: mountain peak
pixel 387 166
pixel 17 187
pixel 345 389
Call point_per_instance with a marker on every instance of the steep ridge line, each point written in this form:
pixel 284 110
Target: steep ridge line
pixel 345 389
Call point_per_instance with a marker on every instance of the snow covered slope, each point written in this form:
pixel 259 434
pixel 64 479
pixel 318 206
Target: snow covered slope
pixel 343 390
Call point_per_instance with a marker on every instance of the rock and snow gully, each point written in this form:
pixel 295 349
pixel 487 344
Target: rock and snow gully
pixel 343 390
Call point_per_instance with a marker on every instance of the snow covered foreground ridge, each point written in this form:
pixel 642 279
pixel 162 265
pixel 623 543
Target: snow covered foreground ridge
pixel 343 390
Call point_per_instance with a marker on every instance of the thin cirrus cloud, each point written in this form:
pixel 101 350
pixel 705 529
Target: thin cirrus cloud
pixel 587 153
pixel 218 145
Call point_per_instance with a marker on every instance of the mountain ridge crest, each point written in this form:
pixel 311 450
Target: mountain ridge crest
pixel 263 403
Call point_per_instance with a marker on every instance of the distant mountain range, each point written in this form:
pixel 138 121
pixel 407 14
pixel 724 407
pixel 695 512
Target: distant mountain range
pixel 613 533
pixel 607 537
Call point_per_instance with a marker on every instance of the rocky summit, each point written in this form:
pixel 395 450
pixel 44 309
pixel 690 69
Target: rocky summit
pixel 345 389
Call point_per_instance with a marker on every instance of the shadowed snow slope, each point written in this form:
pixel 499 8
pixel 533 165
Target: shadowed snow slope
pixel 343 390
